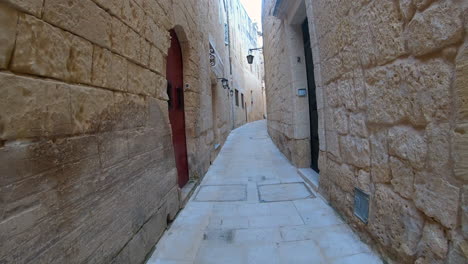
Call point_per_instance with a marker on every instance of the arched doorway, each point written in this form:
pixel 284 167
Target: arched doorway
pixel 175 91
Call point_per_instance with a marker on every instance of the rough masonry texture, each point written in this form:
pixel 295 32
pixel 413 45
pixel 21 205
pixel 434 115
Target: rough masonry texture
pixel 392 96
pixel 87 168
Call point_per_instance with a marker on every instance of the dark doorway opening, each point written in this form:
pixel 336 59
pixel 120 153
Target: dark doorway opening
pixel 174 71
pixel 314 139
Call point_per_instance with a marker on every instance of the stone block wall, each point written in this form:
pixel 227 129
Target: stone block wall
pixel 393 123
pixel 87 171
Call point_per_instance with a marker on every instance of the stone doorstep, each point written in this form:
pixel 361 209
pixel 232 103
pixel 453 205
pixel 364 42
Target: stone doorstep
pixel 310 177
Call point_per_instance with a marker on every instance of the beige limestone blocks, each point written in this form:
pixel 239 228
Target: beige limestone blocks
pixel 437 198
pixel 82 17
pixel 436 27
pixel 32 7
pixel 395 222
pixel 33 108
pixel 8 22
pixel 109 70
pixel 44 50
pixel 409 90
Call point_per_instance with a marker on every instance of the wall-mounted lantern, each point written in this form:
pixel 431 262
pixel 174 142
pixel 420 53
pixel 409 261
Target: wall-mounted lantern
pixel 231 92
pixel 225 83
pixel 250 57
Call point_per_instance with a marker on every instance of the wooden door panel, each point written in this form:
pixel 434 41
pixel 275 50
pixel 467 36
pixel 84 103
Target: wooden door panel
pixel 174 71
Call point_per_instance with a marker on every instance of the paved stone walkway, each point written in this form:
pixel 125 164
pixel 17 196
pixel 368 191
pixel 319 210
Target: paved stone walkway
pixel 253 207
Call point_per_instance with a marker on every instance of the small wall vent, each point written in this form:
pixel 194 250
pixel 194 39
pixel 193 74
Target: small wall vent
pixel 361 205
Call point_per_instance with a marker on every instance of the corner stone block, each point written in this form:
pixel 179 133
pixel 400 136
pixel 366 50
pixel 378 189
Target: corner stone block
pixel 41 49
pixel 82 17
pixel 460 151
pixel 435 28
pixel 32 7
pixel 8 23
pixel 92 109
pixel 395 222
pixel 437 198
pixel 33 108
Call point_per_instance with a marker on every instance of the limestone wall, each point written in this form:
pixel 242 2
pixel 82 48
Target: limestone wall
pixel 393 120
pixel 87 172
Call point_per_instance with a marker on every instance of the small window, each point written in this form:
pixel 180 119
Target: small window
pixel 237 97
pixel 242 100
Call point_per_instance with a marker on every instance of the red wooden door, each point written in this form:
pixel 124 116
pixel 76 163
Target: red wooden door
pixel 174 72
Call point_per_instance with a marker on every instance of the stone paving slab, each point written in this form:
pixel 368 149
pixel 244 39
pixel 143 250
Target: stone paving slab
pixel 227 222
pixel 283 192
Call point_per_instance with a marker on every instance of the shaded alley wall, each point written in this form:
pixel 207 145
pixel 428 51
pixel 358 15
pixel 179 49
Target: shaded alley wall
pixel 392 96
pixel 87 171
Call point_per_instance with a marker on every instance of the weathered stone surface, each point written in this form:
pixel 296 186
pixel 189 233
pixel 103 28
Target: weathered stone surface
pixel 140 80
pixel 437 198
pixel 355 151
pixel 157 61
pixel 380 168
pixel 41 49
pixel 407 144
pixel 32 7
pixel 8 22
pixel 131 110
pixel 109 70
pixel 333 146
pixel 124 40
pixel 395 222
pixel 464 211
pixel 435 28
pixel 114 7
pixel 408 9
pixel 133 15
pixel 80 61
pixel 340 121
pixel 33 108
pixel 460 151
pixel 113 148
pixel 92 109
pixel 357 125
pixel 342 175
pixel 406 90
pixel 458 251
pixel 156 35
pixel 387 30
pixel 433 241
pixel 82 17
pixel 402 177
pixel 438 146
pixel 460 83
pixel 364 181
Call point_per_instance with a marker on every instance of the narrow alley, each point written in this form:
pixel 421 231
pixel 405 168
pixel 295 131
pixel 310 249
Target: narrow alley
pixel 233 131
pixel 253 207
